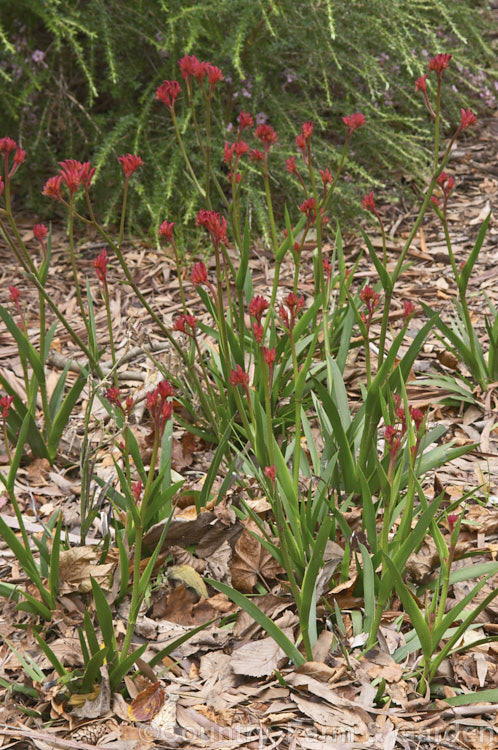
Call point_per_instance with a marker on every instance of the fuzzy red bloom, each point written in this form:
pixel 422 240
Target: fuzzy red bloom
pixel 199 274
pixel 241 148
pixel 308 208
pixel 70 171
pixel 307 130
pixel 452 519
pixel 239 377
pixel 191 67
pixel 435 200
pixel 408 309
pixel 327 268
pixel 130 164
pixel 5 404
pixel 215 224
pixel 19 157
pixel 136 490
pixel 417 415
pixel 266 135
pixel 7 145
pixel 166 230
pixel 269 355
pixel 370 298
pixel 289 310
pixel 14 294
pixel 52 188
pixel 393 440
pixel 245 121
pixel 368 202
pixel 271 472
pixel 2 186
pixel 182 321
pixel 354 121
pixel 468 119
pixel 420 83
pixel 326 176
pixel 301 143
pixel 165 389
pixel 256 155
pixel 258 331
pixel 228 152
pixel 257 306
pixel 439 63
pixel 214 75
pixel 113 395
pixel 100 265
pixel 40 231
pixel 167 93
pixel 86 174
pixel 290 165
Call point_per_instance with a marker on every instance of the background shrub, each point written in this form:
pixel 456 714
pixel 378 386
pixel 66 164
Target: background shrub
pixel 78 81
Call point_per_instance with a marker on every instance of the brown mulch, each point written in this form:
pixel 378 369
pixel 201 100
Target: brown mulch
pixel 225 700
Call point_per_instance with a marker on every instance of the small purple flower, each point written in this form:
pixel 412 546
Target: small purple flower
pixel 261 118
pixel 38 56
pixel 229 127
pixel 245 92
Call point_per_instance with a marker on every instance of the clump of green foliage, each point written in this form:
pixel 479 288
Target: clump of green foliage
pixel 78 80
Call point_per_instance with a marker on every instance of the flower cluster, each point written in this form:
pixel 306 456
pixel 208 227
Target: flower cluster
pixel 289 310
pixel 100 265
pixel 130 164
pixel 257 306
pixel 113 395
pixel 159 407
pixel 371 300
pixel 186 324
pixel 215 224
pixel 73 174
pixel 7 145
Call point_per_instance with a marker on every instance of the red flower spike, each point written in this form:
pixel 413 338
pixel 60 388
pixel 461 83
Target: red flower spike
pixel 271 473
pixel 166 230
pixel 241 148
pixel 7 145
pixel 168 92
pixel 179 324
pixel 14 294
pixel 40 231
pixel 257 306
pixel 215 224
pixel 165 389
pixel 290 165
pixel 452 519
pixel 239 377
pixel 214 75
pixel 420 83
pixel 435 200
pixel 256 155
pixel 129 403
pixel 301 143
pixel 191 321
pixel 307 130
pixel 2 186
pixel 228 152
pixel 258 331
pixel 327 268
pixel 245 121
pixel 417 415
pixel 191 67
pixel 199 274
pixel 86 174
pixel 136 490
pixel 100 265
pixel 167 410
pixel 368 202
pixel 393 440
pixel 130 164
pixel 468 119
pixel 354 121
pixel 439 63
pixel 5 404
pixel 266 135
pixel 70 171
pixel 52 188
pixel 308 208
pixel 326 176
pixel 19 157
pixel 269 355
pixel 408 310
